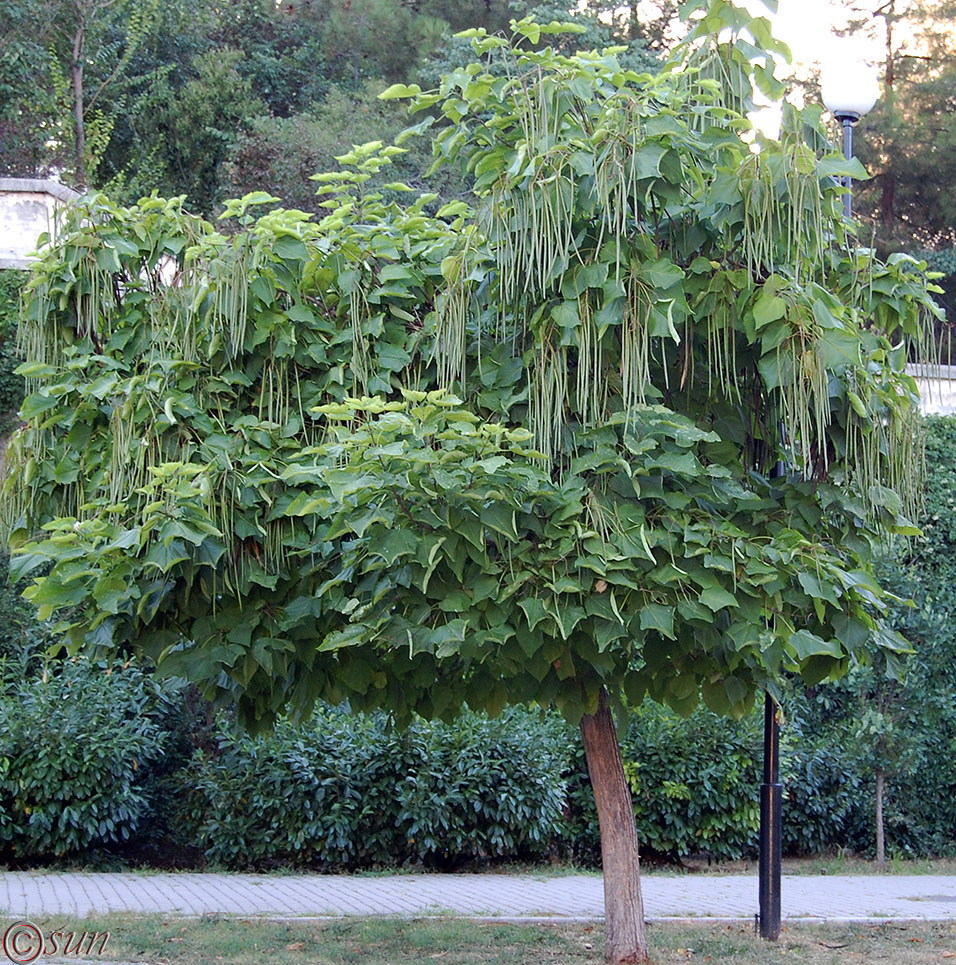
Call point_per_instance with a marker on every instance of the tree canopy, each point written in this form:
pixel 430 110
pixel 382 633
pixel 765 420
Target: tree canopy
pixel 643 315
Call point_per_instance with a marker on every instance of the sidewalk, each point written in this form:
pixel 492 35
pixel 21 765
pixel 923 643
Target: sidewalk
pixel 833 898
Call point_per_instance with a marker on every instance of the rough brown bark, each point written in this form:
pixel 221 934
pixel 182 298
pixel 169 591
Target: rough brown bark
pixel 625 935
pixel 880 831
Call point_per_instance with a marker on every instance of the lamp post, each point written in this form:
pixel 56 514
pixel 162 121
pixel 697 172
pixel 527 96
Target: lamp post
pixel 771 830
pixel 771 809
pixel 850 89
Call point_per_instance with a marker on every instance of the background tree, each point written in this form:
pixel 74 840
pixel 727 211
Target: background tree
pixel 906 141
pixel 26 106
pixel 203 122
pixel 114 29
pixel 895 733
pixel 233 75
pixel 657 26
pixel 259 477
pixel 284 152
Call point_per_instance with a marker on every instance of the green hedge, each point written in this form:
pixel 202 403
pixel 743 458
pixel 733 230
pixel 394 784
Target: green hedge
pixel 76 746
pixel 19 631
pixel 348 791
pixel 694 782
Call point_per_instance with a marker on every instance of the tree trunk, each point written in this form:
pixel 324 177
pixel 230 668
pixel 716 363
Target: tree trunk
pixel 880 835
pixel 625 935
pixel 79 111
pixel 888 178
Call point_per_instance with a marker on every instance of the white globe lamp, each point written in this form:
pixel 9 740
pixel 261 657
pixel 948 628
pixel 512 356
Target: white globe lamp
pixel 850 89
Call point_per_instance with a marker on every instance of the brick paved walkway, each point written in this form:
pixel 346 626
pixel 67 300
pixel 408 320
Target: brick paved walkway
pixel 33 894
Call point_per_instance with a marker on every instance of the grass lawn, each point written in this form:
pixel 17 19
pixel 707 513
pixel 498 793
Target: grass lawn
pixel 820 865
pixel 237 941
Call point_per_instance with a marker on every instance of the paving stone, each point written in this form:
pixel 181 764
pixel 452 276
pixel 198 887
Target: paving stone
pixel 35 894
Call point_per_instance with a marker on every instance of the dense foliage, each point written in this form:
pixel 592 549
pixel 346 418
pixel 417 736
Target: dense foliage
pixel 693 780
pixel 85 787
pixel 11 385
pixel 181 97
pixel 651 300
pixel 906 728
pixel 349 791
pixel 284 152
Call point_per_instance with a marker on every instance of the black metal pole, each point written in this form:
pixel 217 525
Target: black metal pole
pixel 848 153
pixel 848 119
pixel 771 797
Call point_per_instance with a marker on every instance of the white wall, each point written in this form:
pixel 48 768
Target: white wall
pixel 937 388
pixel 26 211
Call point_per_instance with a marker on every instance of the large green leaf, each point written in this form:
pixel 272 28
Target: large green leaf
pixel 805 645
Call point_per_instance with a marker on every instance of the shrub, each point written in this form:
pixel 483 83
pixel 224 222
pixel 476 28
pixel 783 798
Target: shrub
pixel 75 745
pixel 11 386
pixel 823 800
pixel 486 787
pixel 694 783
pixel 348 791
pixel 19 630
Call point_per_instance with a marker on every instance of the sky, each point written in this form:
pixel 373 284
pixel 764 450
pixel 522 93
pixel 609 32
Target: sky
pixel 810 28
pixel 807 27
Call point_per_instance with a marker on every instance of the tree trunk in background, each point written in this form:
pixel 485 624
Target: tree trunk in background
pixel 880 835
pixel 888 178
pixel 79 111
pixel 625 934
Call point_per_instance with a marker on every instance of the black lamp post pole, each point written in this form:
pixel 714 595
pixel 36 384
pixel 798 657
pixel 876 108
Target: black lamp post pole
pixel 771 791
pixel 848 119
pixel 771 797
pixel 771 806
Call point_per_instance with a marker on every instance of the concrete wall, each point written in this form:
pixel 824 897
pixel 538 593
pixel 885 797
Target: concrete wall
pixel 26 211
pixel 937 388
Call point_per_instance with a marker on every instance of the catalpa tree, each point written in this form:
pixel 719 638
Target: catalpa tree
pixel 513 451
